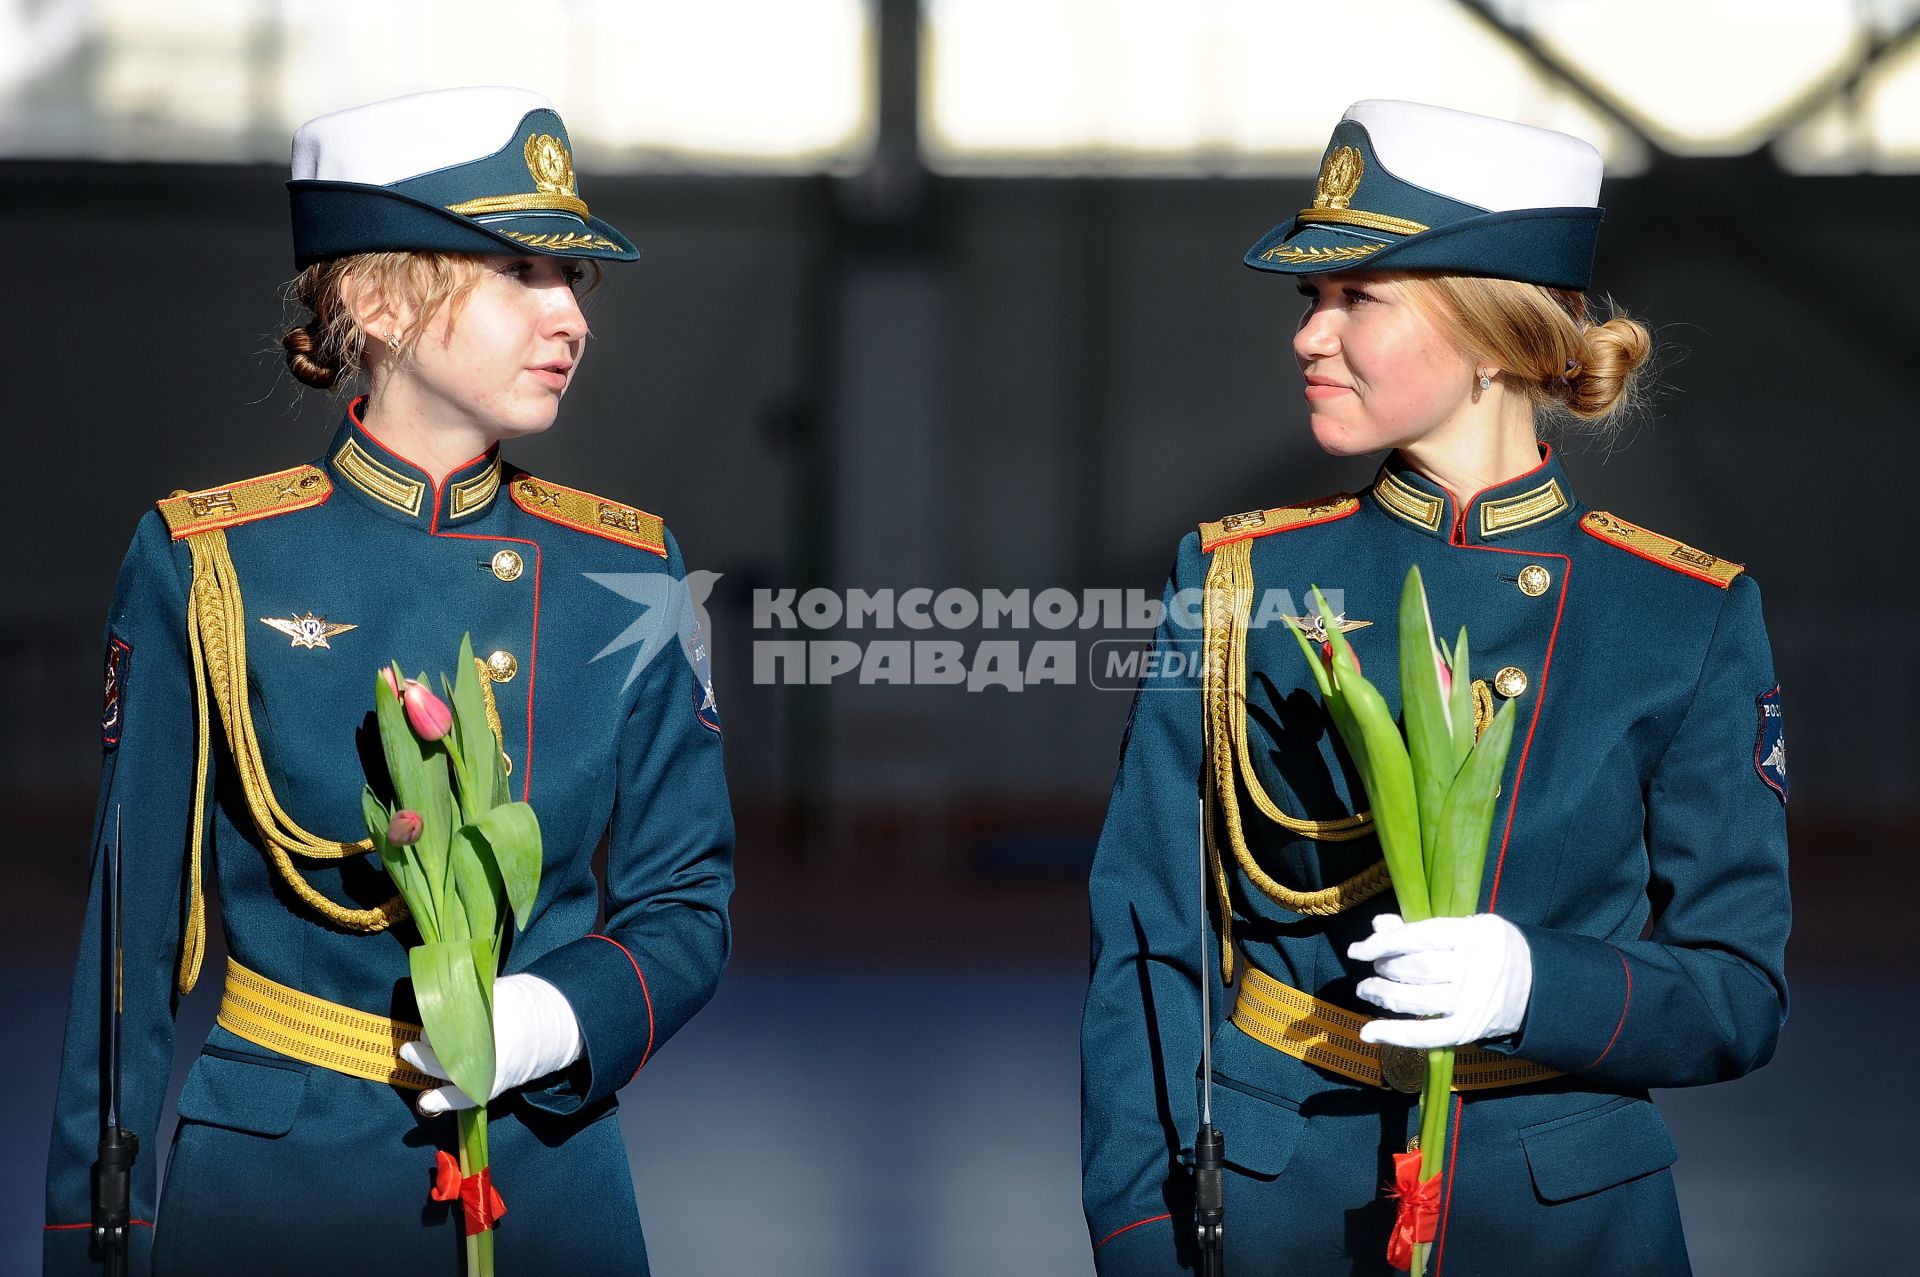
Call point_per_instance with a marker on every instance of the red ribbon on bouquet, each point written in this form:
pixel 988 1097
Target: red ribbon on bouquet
pixel 1419 1213
pixel 479 1201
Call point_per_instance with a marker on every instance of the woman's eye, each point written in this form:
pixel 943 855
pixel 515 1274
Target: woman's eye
pixel 576 276
pixel 1357 295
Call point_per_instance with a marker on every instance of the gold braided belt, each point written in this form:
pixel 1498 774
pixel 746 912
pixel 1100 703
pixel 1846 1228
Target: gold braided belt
pixel 1321 1033
pixel 316 1031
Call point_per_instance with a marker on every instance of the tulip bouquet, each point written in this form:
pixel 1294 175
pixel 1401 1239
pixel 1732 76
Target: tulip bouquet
pixel 1432 793
pixel 461 853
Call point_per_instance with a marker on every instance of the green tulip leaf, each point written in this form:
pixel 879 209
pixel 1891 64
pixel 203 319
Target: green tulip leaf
pixel 1460 704
pixel 453 985
pixel 1466 821
pixel 1388 773
pixel 436 832
pixel 397 861
pixel 514 835
pixel 477 881
pixel 1429 731
pixel 478 745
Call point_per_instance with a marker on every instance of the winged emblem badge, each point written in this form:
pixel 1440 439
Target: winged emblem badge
pixel 309 631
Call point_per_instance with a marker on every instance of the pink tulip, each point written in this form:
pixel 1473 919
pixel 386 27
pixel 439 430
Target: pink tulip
pixel 427 713
pixel 1326 654
pixel 1446 675
pixel 393 680
pixel 405 829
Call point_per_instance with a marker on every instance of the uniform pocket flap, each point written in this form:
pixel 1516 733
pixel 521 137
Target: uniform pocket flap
pixel 256 1096
pixel 1260 1134
pixel 1586 1152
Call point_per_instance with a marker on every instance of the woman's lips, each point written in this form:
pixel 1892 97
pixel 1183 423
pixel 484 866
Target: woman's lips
pixel 549 378
pixel 1326 390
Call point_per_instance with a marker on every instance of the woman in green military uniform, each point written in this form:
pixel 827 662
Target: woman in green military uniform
pixel 442 239
pixel 1634 907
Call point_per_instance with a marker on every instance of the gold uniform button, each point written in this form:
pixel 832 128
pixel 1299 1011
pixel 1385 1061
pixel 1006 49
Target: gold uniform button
pixel 1509 682
pixel 501 667
pixel 507 566
pixel 1534 580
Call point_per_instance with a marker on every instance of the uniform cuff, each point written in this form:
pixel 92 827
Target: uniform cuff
pixel 1582 989
pixel 1137 1249
pixel 606 985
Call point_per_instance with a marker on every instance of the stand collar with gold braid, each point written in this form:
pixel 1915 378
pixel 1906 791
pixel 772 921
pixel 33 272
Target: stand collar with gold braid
pixel 1529 501
pixel 398 489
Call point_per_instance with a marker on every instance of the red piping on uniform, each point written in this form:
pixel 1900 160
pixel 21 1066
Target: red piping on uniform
pixel 1446 1202
pixel 1135 1224
pixel 1540 700
pixel 433 529
pixel 353 411
pixel 1623 1013
pixel 643 993
pixel 62 1228
pixel 1457 535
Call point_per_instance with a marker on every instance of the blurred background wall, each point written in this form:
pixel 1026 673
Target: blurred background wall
pixel 949 295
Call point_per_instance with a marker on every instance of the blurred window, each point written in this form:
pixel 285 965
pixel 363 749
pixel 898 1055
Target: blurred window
pixel 1235 86
pixel 724 85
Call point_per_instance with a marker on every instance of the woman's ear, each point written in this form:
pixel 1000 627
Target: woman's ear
pixel 369 308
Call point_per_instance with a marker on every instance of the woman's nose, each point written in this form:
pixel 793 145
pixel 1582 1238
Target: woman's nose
pixel 566 320
pixel 1318 334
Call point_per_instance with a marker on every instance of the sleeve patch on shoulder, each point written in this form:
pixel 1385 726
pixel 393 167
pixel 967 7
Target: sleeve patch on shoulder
pixel 705 708
pixel 1770 743
pixel 119 654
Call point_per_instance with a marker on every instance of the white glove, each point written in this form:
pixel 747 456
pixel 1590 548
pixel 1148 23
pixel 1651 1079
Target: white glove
pixel 534 1034
pixel 1472 975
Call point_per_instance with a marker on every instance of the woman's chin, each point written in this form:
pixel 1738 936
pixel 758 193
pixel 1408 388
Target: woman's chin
pixel 1336 440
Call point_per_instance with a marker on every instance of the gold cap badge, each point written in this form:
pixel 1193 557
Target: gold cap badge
pixel 550 165
pixel 1339 177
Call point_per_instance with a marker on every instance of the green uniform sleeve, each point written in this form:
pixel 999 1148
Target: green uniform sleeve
pixel 669 875
pixel 1140 1034
pixel 146 777
pixel 1703 996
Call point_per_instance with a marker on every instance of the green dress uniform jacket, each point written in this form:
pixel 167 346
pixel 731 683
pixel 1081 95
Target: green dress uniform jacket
pixel 282 1166
pixel 1639 845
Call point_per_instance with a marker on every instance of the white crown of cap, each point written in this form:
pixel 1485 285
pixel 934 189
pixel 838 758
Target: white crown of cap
pixel 386 142
pixel 1476 159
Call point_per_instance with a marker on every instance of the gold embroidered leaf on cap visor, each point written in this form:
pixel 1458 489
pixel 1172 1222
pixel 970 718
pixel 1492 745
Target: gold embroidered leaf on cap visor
pixel 1340 253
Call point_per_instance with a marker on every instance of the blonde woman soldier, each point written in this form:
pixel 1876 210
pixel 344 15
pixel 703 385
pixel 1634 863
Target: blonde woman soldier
pixel 442 240
pixel 1634 909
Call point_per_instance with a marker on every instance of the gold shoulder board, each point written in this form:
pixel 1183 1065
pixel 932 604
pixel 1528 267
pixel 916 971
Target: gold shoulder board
pixel 279 493
pixel 1259 523
pixel 1665 551
pixel 588 513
